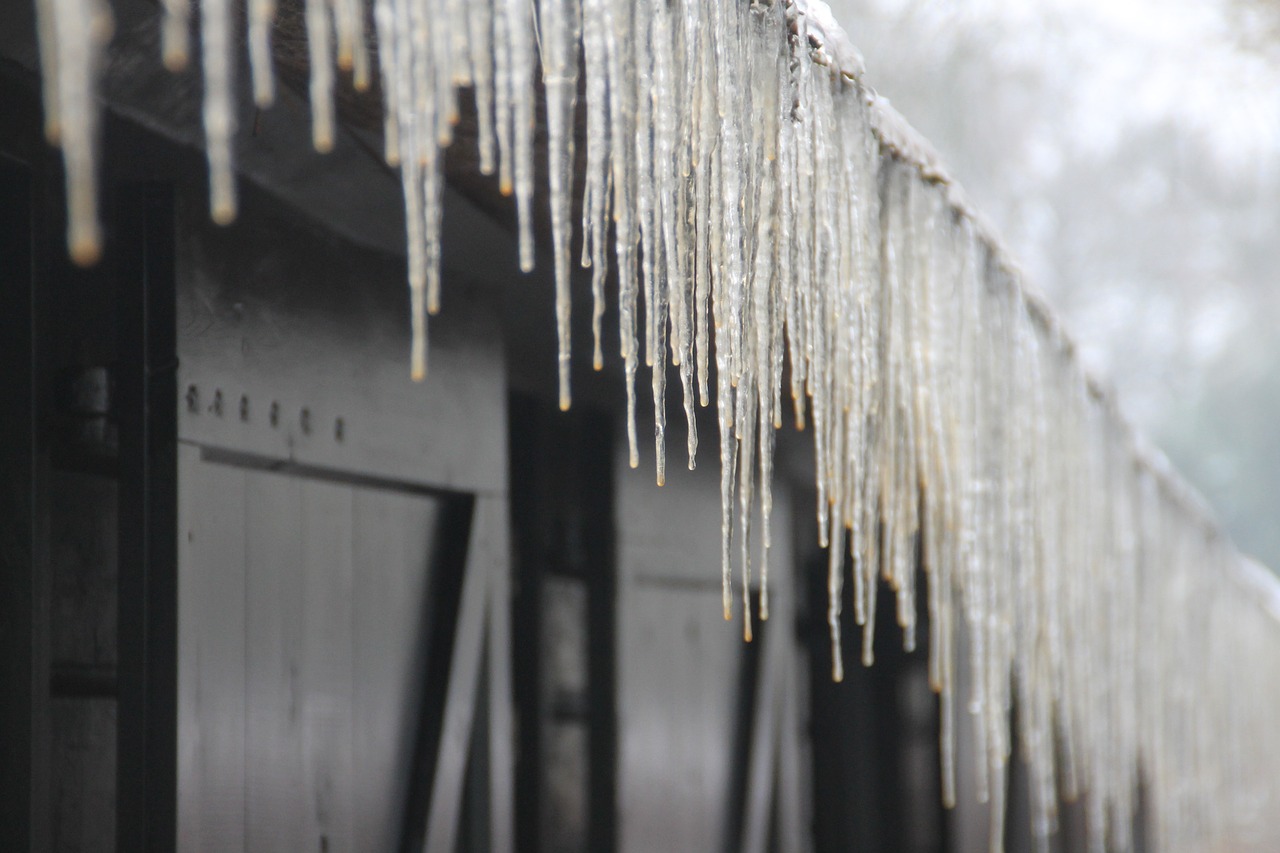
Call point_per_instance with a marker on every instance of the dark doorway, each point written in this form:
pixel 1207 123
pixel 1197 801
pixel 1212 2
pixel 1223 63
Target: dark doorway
pixel 563 621
pixel 876 779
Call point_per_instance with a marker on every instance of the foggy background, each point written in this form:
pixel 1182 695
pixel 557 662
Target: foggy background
pixel 1129 153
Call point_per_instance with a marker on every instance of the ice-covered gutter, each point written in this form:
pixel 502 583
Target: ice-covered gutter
pixel 762 207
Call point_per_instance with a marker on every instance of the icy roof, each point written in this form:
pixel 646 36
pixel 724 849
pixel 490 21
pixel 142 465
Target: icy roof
pixel 762 207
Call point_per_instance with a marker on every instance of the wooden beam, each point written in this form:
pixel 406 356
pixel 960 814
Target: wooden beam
pixel 495 556
pixel 449 773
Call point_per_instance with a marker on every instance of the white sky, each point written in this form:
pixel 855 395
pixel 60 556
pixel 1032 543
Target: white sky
pixel 1133 61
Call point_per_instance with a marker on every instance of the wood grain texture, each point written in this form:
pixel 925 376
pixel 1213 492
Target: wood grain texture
pixel 326 665
pixel 211 654
pixel 302 652
pixel 393 541
pixel 275 759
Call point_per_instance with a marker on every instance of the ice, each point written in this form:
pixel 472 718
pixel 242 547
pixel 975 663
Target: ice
pixel 560 25
pixel 262 14
pixel 385 21
pixel 320 61
pixel 219 107
pixel 480 47
pixel 519 49
pixel 596 191
pixel 72 34
pixel 175 39
pixel 771 215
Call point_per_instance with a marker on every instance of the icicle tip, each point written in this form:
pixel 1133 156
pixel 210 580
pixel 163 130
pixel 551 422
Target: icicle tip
pixel 223 213
pixel 176 59
pixel 86 249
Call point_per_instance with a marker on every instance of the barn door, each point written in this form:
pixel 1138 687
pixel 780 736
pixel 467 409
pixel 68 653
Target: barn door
pixel 331 639
pixel 343 601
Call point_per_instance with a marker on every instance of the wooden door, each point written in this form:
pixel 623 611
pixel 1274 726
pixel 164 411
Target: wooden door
pixel 341 553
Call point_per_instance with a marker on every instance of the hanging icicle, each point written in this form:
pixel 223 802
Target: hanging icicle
pixel 771 215
pixel 72 34
pixel 560 25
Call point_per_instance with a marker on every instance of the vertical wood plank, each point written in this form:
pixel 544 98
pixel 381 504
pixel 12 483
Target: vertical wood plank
pixel 327 731
pixel 493 549
pixel 392 546
pixel 793 824
pixel 24 572
pixel 675 654
pixel 764 742
pixel 83 758
pixel 211 653
pixel 464 675
pixel 276 803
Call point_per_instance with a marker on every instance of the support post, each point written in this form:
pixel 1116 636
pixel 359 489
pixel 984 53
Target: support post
pixel 146 763
pixel 25 822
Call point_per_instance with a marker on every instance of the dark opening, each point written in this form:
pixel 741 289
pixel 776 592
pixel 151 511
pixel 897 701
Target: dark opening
pixel 876 778
pixel 563 626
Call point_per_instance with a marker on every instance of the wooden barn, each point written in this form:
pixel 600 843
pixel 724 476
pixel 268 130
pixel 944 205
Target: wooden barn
pixel 262 591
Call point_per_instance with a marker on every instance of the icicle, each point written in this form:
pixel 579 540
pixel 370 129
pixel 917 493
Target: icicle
pixel 681 265
pixel 745 405
pixel 441 24
pixel 175 36
pixel 595 194
pixel 774 209
pixel 519 34
pixel 390 63
pixel 669 179
pixel 321 63
pixel 345 23
pixel 480 35
pixel 642 46
pixel 219 108
pixel 705 114
pixel 361 69
pixel 353 53
pixel 459 23
pixel 262 14
pixel 560 78
pixel 502 96
pixel 622 94
pixel 433 200
pixel 733 240
pixel 835 595
pixel 72 34
pixel 50 46
pixel 728 467
pixel 763 297
pixel 412 185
